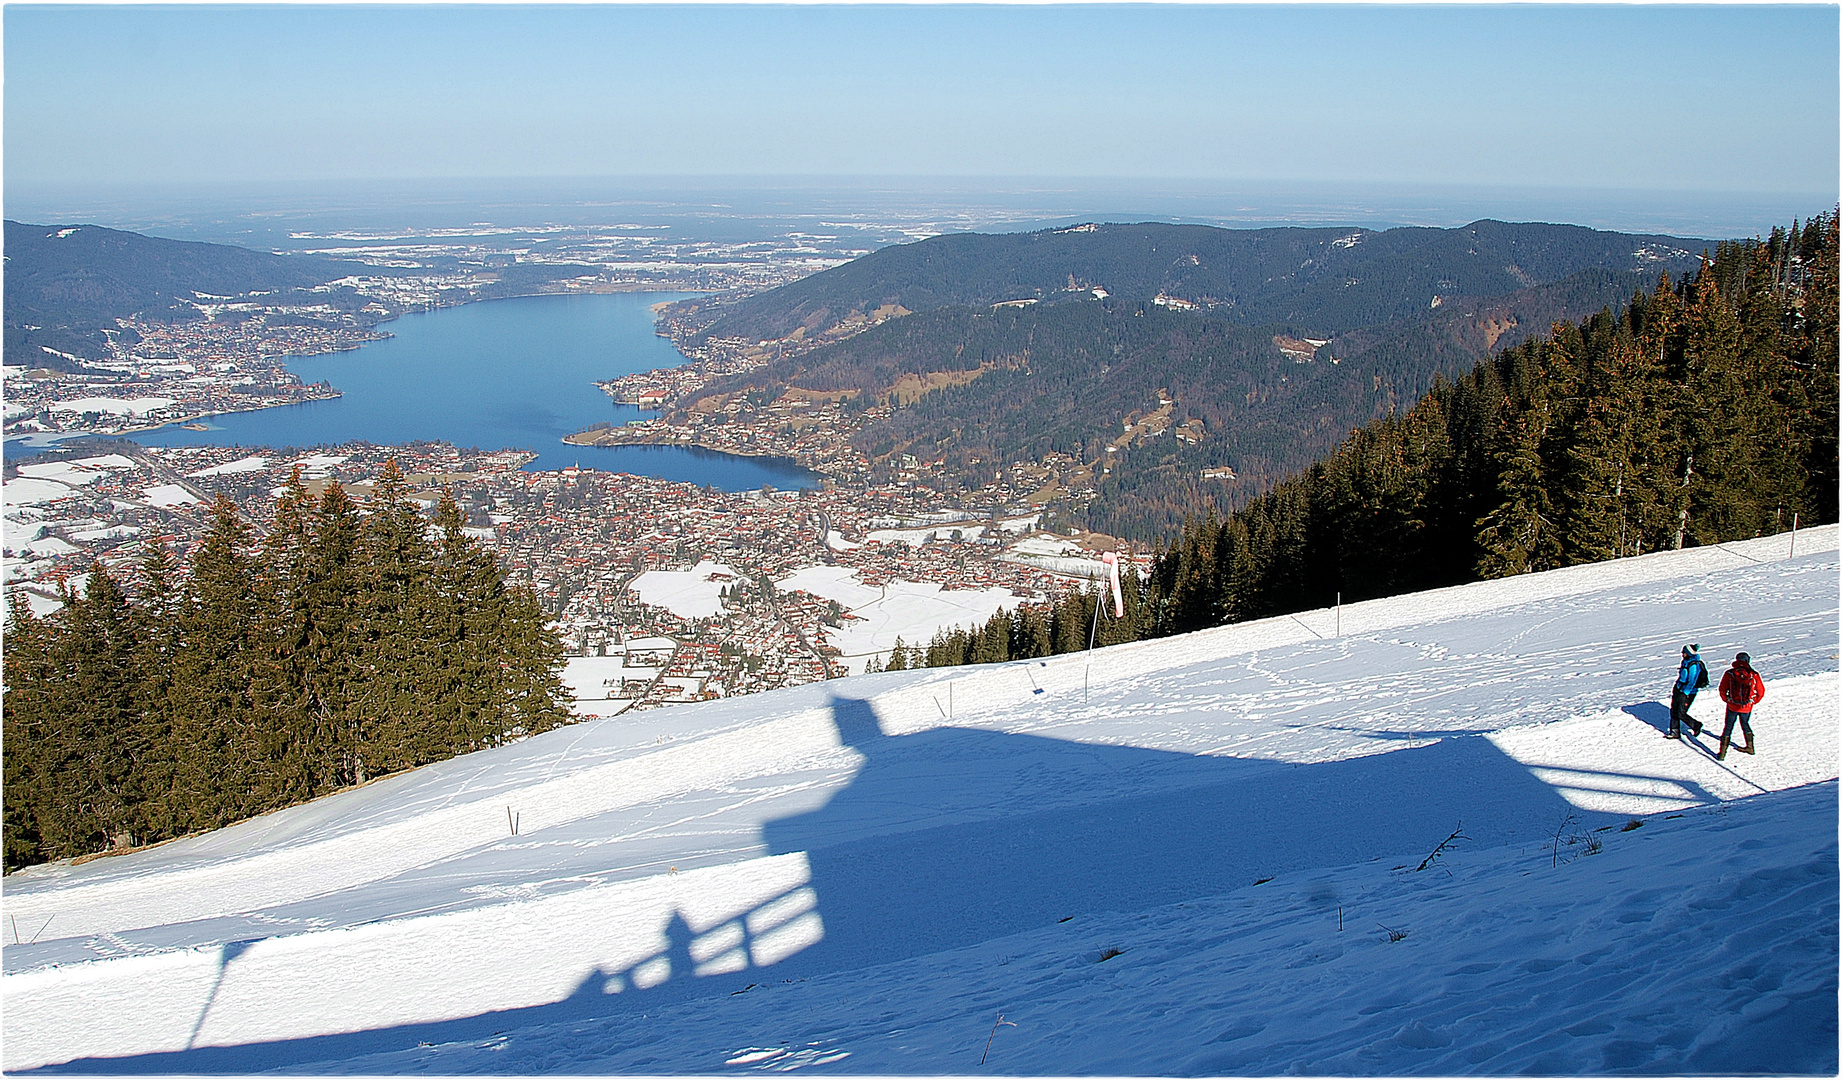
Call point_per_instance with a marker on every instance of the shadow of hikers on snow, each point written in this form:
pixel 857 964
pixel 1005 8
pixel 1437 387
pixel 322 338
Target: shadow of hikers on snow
pixel 1656 715
pixel 952 836
pixel 1653 713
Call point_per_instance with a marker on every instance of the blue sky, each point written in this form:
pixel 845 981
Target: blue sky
pixel 1643 97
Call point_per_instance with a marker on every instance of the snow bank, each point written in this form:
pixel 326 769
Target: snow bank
pixel 40 606
pixel 50 546
pixel 916 537
pixel 839 583
pixel 915 612
pixel 592 680
pixel 316 466
pixel 912 611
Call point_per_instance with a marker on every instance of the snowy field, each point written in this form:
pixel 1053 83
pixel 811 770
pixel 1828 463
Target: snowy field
pixel 1056 554
pixel 241 465
pixel 140 406
pixel 51 481
pixel 911 611
pixel 593 680
pixel 1220 853
pixel 696 593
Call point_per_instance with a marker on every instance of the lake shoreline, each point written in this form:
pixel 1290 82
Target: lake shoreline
pixel 520 375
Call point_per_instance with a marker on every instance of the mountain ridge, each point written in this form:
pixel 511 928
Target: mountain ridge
pixel 1338 278
pixel 66 283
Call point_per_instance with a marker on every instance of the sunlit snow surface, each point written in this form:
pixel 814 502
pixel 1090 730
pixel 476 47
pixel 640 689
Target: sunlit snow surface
pixel 861 875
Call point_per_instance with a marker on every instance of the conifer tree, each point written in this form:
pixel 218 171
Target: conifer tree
pixel 1033 632
pixel 1614 468
pixel 157 638
pixel 1519 536
pixel 215 779
pixel 1715 420
pixel 106 720
pixel 29 732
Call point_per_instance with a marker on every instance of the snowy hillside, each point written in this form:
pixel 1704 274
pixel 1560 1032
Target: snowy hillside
pixel 1219 853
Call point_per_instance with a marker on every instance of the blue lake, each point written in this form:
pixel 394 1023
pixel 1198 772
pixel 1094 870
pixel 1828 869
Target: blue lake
pixel 514 373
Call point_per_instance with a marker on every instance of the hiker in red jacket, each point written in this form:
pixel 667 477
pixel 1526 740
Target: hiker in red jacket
pixel 1741 688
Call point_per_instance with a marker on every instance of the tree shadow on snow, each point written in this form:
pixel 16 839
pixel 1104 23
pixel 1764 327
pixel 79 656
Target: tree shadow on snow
pixel 944 838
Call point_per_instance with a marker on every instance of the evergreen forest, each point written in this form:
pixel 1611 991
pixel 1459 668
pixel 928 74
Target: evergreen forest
pixel 1333 279
pixel 1704 411
pixel 348 643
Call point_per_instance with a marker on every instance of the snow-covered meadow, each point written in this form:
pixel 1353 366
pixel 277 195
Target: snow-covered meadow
pixel 909 612
pixel 1220 853
pixel 696 593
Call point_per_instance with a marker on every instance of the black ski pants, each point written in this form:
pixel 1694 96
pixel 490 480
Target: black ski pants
pixel 1679 703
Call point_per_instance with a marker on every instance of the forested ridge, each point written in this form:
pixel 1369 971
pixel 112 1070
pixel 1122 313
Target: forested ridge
pixel 66 283
pixel 1059 378
pixel 1704 411
pixel 1334 279
pixel 348 643
pixel 1194 313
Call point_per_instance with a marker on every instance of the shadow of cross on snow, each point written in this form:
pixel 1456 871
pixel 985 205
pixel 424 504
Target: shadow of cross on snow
pixel 951 836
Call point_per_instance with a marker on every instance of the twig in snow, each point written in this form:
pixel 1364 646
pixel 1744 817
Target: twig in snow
pixel 1558 829
pixel 41 929
pixel 1457 834
pixel 993 1035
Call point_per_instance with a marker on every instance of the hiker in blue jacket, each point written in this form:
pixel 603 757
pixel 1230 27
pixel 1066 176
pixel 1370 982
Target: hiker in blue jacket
pixel 1692 677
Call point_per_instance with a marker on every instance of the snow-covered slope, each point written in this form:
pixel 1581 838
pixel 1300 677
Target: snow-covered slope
pixel 1197 855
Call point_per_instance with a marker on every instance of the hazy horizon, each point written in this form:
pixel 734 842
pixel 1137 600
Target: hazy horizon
pixel 1611 116
pixel 271 214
